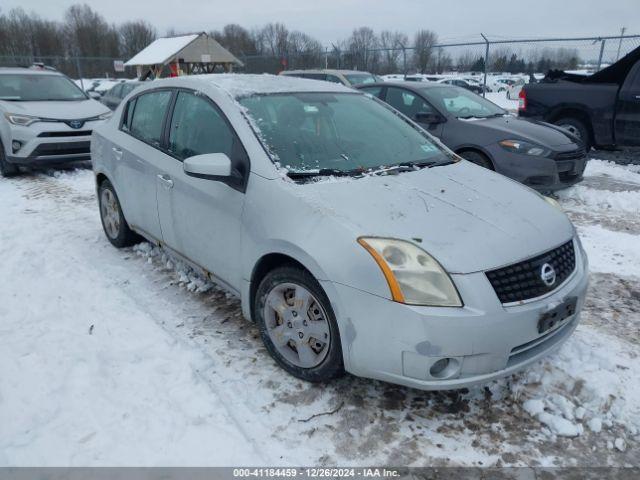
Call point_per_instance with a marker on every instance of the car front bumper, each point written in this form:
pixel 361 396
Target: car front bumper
pixel 540 173
pixel 50 143
pixel 483 340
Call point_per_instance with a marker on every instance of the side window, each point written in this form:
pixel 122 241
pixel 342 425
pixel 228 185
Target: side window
pixel 407 102
pixel 197 128
pixel 334 79
pixel 128 115
pixel 375 91
pixel 148 116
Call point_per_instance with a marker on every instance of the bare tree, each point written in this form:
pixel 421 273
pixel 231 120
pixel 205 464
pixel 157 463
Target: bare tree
pixel 135 36
pixel 237 39
pixel 392 44
pixel 423 44
pixel 361 47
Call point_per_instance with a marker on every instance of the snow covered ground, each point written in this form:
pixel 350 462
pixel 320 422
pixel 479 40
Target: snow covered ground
pixel 127 357
pixel 500 99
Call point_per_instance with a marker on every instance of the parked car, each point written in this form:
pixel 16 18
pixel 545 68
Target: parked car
pixel 114 96
pixel 602 109
pixel 499 84
pixel 354 239
pixel 459 82
pixel 345 77
pixel 541 156
pixel 46 119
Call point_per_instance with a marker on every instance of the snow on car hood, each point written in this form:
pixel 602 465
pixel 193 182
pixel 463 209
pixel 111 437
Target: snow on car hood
pixel 59 110
pixel 469 219
pixel 513 128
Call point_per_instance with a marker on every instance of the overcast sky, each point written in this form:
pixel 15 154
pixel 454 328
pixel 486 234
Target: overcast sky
pixel 331 20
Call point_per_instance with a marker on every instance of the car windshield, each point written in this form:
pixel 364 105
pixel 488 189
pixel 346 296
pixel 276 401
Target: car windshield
pixel 32 88
pixel 360 78
pixel 340 133
pixel 462 103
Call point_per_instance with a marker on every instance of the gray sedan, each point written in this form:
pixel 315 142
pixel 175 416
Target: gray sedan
pixel 539 155
pixel 354 240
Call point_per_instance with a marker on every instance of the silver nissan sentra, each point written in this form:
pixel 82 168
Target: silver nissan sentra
pixel 355 240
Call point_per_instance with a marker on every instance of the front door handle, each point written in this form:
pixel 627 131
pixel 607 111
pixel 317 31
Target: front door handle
pixel 166 181
pixel 117 152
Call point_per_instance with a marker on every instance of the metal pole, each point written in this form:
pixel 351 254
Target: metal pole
pixel 404 61
pixel 602 42
pixel 486 64
pixel 620 42
pixel 79 73
pixel 326 58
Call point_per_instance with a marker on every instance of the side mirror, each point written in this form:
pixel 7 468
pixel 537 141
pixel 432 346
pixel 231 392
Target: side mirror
pixel 430 118
pixel 94 95
pixel 210 166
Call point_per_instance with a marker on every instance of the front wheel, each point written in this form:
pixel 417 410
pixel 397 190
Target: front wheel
pixel 298 326
pixel 113 222
pixel 477 158
pixel 7 169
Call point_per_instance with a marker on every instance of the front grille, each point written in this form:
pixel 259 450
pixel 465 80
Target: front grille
pixel 573 155
pixel 523 280
pixel 80 133
pixel 61 149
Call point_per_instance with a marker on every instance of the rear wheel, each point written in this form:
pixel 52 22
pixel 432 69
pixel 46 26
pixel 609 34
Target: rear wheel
pixel 113 222
pixel 477 158
pixel 298 326
pixel 576 127
pixel 7 169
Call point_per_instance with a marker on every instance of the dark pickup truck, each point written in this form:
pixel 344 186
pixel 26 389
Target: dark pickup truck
pixel 602 109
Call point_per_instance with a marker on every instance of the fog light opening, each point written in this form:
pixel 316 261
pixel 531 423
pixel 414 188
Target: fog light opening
pixel 16 145
pixel 444 368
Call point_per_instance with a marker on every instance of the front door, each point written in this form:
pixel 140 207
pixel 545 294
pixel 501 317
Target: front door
pixel 628 110
pixel 201 218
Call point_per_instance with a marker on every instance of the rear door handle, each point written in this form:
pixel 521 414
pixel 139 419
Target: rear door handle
pixel 117 152
pixel 166 181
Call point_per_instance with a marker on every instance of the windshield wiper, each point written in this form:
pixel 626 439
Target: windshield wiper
pixel 405 167
pixel 325 172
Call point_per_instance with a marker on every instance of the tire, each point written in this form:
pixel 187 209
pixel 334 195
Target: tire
pixel 114 224
pixel 7 169
pixel 577 128
pixel 508 95
pixel 477 158
pixel 288 333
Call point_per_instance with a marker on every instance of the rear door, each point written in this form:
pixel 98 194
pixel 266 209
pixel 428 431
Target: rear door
pixel 201 218
pixel 137 153
pixel 628 110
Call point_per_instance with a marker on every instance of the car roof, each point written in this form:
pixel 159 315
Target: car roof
pixel 28 71
pixel 325 70
pixel 417 86
pixel 238 85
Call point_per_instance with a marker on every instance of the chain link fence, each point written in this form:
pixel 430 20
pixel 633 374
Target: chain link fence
pixel 484 55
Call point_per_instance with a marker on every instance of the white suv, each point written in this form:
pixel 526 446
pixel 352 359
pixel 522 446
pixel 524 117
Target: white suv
pixel 45 119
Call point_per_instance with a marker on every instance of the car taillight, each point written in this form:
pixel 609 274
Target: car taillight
pixel 522 100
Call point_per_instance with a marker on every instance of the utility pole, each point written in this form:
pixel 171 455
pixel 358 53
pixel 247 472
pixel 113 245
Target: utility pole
pixel 486 65
pixel 620 42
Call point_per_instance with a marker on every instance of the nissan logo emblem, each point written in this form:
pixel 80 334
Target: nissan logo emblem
pixel 548 275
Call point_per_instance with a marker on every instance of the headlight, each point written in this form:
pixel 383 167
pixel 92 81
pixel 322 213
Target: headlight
pixel 526 148
pixel 105 116
pixel 414 276
pixel 22 120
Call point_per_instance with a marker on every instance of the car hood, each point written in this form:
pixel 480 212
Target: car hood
pixel 71 110
pixel 469 218
pixel 513 128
